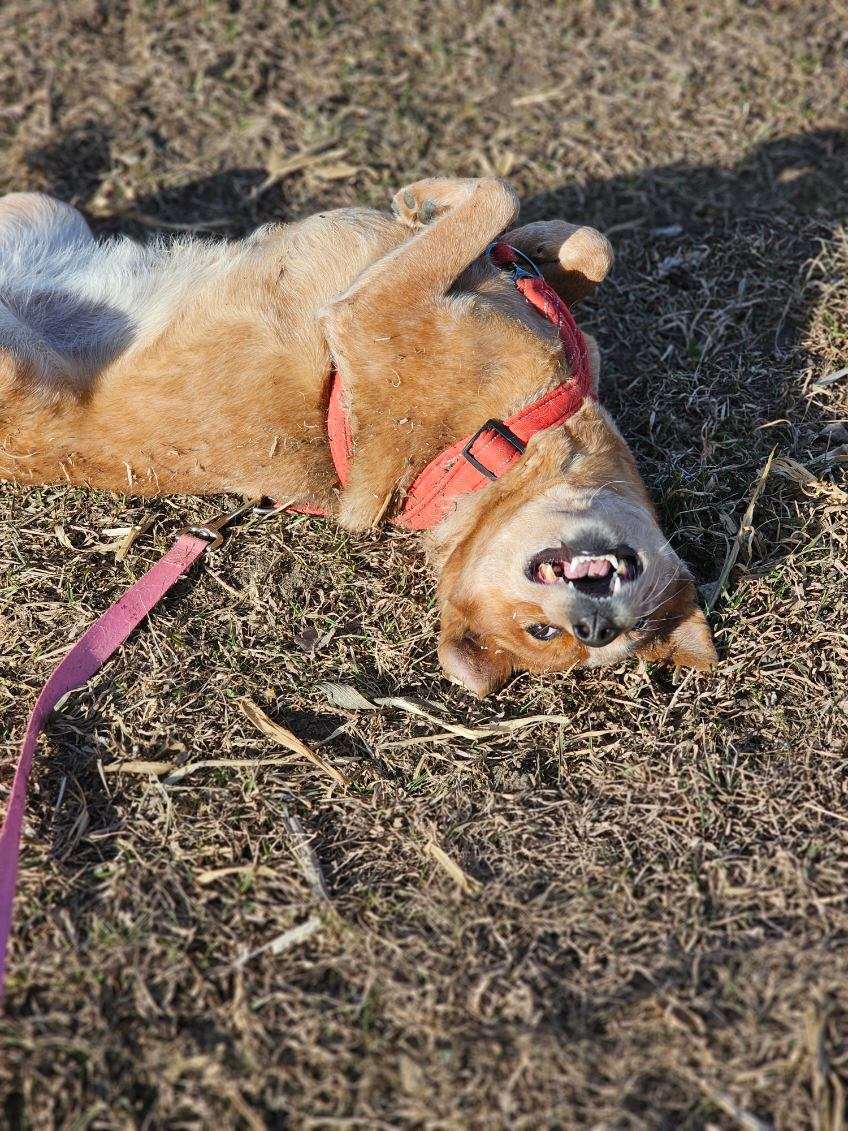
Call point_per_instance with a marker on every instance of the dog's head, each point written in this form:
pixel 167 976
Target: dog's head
pixel 562 564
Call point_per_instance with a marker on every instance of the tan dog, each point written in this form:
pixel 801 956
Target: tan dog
pixel 204 367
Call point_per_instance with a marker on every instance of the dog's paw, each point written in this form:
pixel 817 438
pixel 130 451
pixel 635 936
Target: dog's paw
pixel 424 201
pixel 411 211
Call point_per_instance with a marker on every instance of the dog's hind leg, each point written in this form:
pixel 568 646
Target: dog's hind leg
pixel 41 241
pixel 36 232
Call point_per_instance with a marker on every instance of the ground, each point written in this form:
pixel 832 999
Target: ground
pixel 631 913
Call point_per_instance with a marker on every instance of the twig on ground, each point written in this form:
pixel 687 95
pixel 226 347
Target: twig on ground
pixel 168 226
pixel 312 155
pixel 461 878
pixel 305 854
pixel 285 738
pixel 176 773
pixel 487 730
pixel 130 537
pixel 744 528
pixel 284 941
pixel 213 874
pixel 746 1120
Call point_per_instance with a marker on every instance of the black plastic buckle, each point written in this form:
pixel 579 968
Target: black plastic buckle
pixel 505 433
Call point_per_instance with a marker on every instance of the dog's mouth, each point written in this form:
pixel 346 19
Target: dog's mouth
pixel 593 574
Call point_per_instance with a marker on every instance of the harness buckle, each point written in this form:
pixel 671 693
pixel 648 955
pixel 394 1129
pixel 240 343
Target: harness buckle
pixel 500 429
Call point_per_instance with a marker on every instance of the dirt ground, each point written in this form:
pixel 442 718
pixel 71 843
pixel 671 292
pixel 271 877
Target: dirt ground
pixel 630 913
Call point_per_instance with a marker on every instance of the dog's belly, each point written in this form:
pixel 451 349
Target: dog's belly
pixel 217 380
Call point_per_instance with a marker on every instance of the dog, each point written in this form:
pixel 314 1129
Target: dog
pixel 199 367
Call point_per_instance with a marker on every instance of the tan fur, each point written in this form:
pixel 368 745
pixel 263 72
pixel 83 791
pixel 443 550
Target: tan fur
pixel 430 341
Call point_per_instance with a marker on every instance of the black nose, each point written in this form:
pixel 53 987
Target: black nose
pixel 596 630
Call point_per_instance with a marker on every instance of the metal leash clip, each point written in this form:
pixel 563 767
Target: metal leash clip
pixel 265 506
pixel 521 266
pixel 213 531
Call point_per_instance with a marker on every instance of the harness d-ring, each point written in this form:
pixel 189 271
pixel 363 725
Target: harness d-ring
pixel 507 257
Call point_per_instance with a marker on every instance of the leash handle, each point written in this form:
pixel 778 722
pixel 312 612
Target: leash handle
pixel 84 660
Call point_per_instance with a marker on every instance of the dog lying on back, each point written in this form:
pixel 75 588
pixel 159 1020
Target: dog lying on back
pixel 200 368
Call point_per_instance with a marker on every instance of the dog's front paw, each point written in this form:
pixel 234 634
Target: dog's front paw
pixel 412 210
pixel 424 201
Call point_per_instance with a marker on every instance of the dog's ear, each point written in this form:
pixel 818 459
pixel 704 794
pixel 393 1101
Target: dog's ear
pixel 573 259
pixel 468 657
pixel 692 643
pixel 688 645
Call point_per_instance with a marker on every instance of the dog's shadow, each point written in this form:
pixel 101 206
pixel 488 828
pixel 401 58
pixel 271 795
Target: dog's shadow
pixel 710 266
pixel 77 168
pixel 706 320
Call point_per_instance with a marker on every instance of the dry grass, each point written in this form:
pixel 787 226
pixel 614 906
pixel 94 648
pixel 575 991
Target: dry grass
pixel 636 919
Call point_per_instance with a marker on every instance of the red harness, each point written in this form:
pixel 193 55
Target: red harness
pixel 476 460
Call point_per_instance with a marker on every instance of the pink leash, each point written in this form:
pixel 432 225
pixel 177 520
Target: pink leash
pixel 85 658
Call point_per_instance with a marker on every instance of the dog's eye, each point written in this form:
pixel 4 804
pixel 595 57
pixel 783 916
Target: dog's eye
pixel 543 631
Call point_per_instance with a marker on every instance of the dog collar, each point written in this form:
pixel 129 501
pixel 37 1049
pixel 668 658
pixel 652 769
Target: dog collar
pixel 476 460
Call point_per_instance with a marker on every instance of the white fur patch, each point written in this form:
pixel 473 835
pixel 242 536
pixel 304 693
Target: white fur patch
pixel 69 304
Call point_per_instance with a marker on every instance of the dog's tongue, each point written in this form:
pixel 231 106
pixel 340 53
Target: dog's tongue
pixel 563 569
pixel 586 567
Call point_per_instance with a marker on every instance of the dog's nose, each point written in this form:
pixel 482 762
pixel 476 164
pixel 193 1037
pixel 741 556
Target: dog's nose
pixel 595 631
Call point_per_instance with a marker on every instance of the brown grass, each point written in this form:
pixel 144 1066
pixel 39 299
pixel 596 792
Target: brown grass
pixel 634 919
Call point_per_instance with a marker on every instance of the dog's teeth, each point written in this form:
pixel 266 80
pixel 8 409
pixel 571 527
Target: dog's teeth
pixel 546 573
pixel 616 584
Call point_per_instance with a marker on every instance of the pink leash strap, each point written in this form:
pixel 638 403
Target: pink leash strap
pixel 85 658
